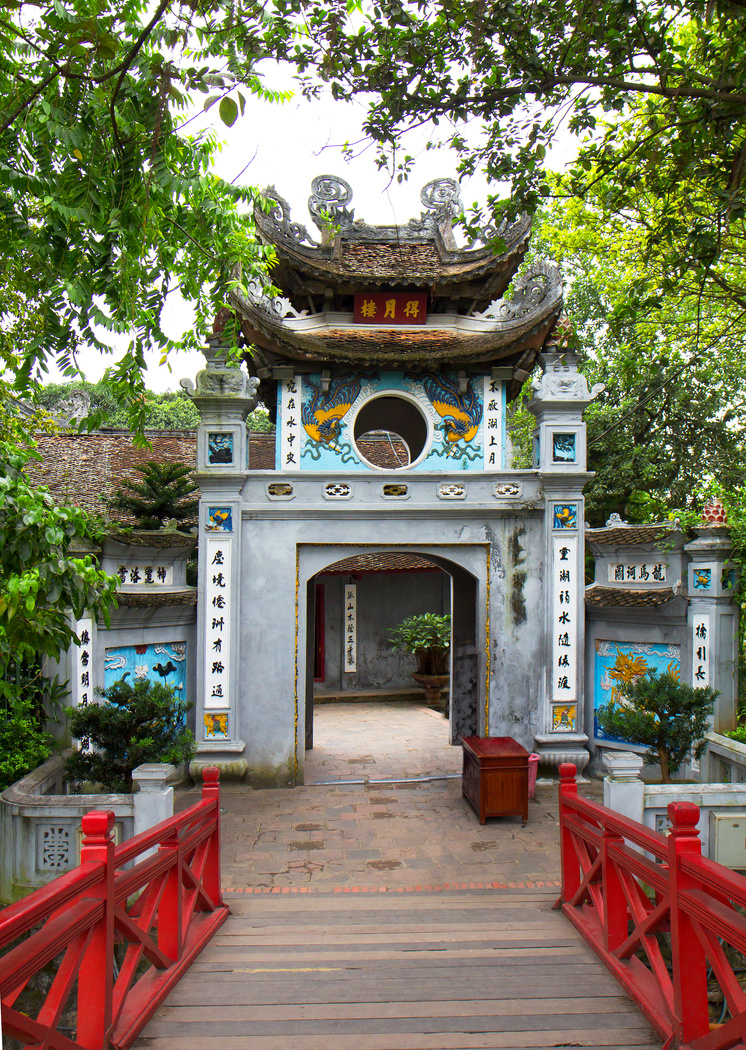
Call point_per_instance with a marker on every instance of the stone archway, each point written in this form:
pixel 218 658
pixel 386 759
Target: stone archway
pixel 466 569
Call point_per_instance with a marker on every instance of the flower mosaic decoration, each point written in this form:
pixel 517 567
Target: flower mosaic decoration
pixel 619 663
pixel 219 519
pixel 702 579
pixel 565 516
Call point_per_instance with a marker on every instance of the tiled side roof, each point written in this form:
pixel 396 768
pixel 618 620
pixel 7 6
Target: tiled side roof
pixel 148 599
pixel 621 535
pixel 621 596
pixel 261 451
pixel 380 563
pixel 84 469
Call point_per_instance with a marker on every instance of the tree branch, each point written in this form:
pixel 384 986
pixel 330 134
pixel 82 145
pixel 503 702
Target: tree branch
pixel 27 102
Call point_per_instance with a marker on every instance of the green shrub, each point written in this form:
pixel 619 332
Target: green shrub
pixel 738 734
pixel 666 715
pixel 23 744
pixel 137 723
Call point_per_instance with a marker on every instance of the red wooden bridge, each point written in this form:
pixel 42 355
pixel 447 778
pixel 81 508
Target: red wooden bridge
pixel 449 972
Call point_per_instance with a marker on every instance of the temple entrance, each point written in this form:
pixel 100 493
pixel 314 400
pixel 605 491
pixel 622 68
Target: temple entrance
pixel 357 689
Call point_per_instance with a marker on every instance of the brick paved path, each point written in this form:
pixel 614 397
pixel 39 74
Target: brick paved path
pixel 366 836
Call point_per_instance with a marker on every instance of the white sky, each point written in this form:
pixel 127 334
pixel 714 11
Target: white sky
pixel 287 145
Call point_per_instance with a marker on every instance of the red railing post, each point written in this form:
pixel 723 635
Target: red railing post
pixel 96 974
pixel 170 911
pixel 615 903
pixel 688 955
pixel 211 876
pixel 570 864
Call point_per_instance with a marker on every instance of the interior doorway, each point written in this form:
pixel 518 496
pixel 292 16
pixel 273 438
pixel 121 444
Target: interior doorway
pixel 367 692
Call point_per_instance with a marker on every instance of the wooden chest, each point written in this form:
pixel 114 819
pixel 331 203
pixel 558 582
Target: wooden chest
pixel 495 778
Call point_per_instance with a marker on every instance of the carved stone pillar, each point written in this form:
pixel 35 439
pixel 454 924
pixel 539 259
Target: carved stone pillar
pixel 224 396
pixel 560 396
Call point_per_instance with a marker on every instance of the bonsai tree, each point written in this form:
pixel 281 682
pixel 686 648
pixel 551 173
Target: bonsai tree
pixel 666 715
pixel 134 723
pixel 166 492
pixel 427 636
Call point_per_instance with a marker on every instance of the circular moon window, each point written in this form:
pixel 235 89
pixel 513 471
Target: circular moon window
pixel 390 432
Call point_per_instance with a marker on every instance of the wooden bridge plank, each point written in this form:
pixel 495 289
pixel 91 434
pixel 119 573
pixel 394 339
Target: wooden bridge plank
pixel 521 1040
pixel 443 964
pixel 323 973
pixel 445 1008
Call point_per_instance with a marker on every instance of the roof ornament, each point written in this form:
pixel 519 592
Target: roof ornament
pixel 328 202
pixel 539 282
pixel 442 205
pixel 279 215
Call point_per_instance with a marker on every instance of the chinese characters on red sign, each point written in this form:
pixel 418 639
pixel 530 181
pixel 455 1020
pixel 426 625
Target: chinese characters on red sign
pixel 390 308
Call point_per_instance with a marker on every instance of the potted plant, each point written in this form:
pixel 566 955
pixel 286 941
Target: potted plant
pixel 666 715
pixel 428 637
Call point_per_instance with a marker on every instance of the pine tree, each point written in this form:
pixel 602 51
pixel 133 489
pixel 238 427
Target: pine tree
pixel 668 716
pixel 164 493
pixel 133 723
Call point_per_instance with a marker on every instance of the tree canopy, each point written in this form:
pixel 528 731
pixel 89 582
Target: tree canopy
pixel 107 202
pixel 673 412
pixel 171 410
pixel 656 92
pixel 105 205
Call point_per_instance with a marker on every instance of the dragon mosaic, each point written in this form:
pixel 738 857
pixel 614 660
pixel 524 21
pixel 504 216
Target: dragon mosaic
pixel 461 413
pixel 322 413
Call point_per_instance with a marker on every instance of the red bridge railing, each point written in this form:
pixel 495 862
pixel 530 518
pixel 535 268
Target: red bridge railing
pixel 159 911
pixel 664 919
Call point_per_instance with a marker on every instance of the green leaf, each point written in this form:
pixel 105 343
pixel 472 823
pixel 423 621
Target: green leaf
pixel 228 111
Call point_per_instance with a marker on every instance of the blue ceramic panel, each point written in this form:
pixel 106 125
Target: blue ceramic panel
pixel 565 516
pixel 620 662
pixel 454 418
pixel 219 449
pixel 701 579
pixel 219 519
pixel 161 662
pixel 563 448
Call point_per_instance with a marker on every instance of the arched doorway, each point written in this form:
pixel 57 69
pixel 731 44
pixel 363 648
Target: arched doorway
pixel 391 582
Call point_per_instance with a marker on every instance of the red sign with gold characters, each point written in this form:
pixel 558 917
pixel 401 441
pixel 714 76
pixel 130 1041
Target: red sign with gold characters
pixel 390 307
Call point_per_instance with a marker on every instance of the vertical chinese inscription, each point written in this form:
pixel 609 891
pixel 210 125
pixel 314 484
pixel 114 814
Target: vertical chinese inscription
pixel 493 424
pixel 290 416
pixel 217 623
pixel 83 666
pixel 350 622
pixel 701 649
pixel 565 617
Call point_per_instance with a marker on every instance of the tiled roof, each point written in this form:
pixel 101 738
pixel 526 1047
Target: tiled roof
pixel 621 596
pixel 401 345
pixel 361 563
pixel 85 469
pixel 620 535
pixel 147 599
pixel 148 538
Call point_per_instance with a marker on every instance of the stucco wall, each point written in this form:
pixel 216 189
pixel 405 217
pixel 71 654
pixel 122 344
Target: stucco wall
pixel 284 547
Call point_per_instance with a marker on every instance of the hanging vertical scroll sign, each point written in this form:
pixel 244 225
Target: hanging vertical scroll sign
pixel 350 622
